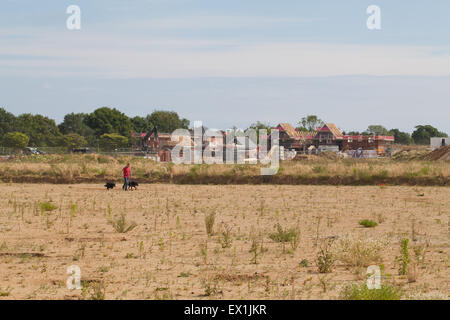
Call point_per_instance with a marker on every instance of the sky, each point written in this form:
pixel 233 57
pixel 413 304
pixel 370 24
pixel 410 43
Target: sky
pixel 231 62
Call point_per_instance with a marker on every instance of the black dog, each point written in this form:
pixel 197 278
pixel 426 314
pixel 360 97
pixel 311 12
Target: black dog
pixel 133 185
pixel 110 185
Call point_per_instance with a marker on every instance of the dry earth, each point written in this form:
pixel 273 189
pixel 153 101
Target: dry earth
pixel 168 255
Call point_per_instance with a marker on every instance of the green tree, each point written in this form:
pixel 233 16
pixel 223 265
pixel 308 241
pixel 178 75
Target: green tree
pixel 167 121
pixel 310 123
pixel 423 133
pixel 377 129
pixel 111 141
pixel 76 123
pixel 42 131
pixel 73 141
pixel 7 122
pixel 15 140
pixel 261 125
pixel 401 137
pixel 141 124
pixel 107 120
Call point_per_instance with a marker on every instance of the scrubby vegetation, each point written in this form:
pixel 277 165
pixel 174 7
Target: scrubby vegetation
pixel 99 168
pixel 362 292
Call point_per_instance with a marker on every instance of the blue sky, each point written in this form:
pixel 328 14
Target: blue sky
pixel 231 62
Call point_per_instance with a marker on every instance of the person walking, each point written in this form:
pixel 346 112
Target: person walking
pixel 126 176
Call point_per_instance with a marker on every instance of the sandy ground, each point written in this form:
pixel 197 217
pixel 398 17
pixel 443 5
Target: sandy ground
pixel 169 255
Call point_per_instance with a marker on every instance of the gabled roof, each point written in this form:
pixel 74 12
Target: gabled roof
pixel 286 127
pixel 333 129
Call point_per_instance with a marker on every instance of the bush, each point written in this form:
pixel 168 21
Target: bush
pixel 360 252
pixel 368 223
pixel 15 140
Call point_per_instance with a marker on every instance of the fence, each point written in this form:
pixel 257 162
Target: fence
pixel 5 151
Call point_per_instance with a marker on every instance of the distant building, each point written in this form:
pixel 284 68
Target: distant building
pixel 437 142
pixel 367 142
pixel 293 139
pixel 330 138
pixel 328 135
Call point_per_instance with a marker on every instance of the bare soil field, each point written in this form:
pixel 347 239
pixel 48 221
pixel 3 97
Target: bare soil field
pixel 222 241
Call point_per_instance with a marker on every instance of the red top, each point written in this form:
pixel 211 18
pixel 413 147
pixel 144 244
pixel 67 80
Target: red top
pixel 126 172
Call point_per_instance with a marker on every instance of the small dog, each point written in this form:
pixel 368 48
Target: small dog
pixel 110 185
pixel 133 185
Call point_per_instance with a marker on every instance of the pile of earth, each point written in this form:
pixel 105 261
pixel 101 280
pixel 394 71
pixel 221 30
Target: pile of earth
pixel 442 153
pixel 410 154
pixel 329 155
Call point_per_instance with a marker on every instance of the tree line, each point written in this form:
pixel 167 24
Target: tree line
pixel 105 127
pixel 109 128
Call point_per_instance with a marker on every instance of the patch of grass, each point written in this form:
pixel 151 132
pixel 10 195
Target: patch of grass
pixel 93 290
pixel 121 225
pixel 5 292
pixel 360 252
pixel 366 223
pixel 304 263
pixel 210 218
pixel 184 275
pixel 362 292
pixel 47 206
pixel 283 236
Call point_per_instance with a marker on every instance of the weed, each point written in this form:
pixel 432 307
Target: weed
pixel 47 206
pixel 95 290
pixel 287 235
pixel 325 258
pixel 225 239
pixel 362 292
pixel 403 259
pixel 209 223
pixel 368 223
pixel 210 287
pixel 304 263
pixel 360 252
pixel 121 225
pixel 5 292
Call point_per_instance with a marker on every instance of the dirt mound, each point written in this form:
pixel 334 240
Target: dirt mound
pixel 409 154
pixel 328 155
pixel 442 153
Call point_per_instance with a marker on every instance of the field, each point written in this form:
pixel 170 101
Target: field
pixel 223 241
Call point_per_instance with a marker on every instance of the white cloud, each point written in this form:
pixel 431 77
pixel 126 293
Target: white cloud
pixel 127 56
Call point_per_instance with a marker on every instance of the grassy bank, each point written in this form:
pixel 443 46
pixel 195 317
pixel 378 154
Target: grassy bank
pixel 99 168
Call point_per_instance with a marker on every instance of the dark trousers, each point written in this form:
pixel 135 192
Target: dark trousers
pixel 126 182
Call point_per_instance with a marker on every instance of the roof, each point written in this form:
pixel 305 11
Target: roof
pixel 334 130
pixel 288 129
